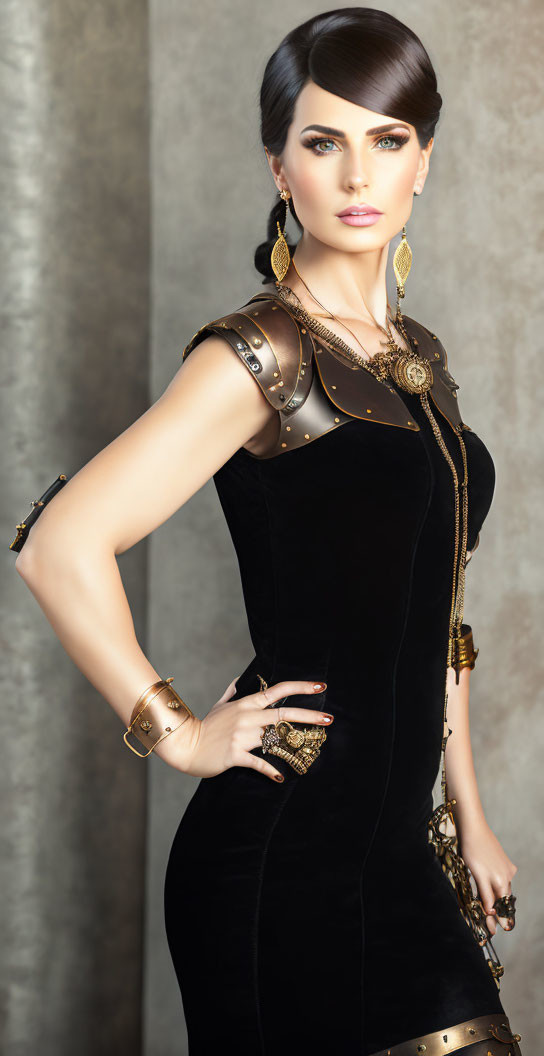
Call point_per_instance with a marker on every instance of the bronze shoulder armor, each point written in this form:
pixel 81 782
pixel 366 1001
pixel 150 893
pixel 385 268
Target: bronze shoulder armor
pixel 313 388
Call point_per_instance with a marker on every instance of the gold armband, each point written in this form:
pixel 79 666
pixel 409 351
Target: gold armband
pixel 159 702
pixel 463 652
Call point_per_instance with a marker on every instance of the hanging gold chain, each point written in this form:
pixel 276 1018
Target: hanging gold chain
pixel 459 562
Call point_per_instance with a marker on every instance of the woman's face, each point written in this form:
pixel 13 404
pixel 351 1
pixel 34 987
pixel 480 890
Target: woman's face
pixel 350 164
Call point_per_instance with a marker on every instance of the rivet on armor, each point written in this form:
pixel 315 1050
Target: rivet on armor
pixel 304 363
pixel 287 428
pixel 337 419
pixel 437 355
pixel 369 410
pixel 333 386
pixel 284 445
pixel 434 337
pixel 255 313
pixel 409 422
pixel 306 436
pixel 241 345
pixel 422 1048
pixel 276 374
pixel 168 729
pixel 302 330
pixel 282 397
pixel 280 382
pixel 471 1030
pixel 257 342
pixel 145 725
pixel 303 372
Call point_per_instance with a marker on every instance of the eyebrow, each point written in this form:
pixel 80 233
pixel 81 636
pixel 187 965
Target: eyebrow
pixel 342 135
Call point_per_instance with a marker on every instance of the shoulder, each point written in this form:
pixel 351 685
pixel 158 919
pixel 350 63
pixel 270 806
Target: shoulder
pixel 267 339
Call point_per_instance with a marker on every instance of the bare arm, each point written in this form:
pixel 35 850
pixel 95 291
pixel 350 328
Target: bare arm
pixel 487 860
pixel 210 408
pixel 460 772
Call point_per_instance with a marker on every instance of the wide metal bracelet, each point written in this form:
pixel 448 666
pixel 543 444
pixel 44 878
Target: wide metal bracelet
pixel 463 652
pixel 151 728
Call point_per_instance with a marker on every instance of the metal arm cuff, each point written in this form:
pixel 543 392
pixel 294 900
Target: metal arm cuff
pixel 156 724
pixel 463 652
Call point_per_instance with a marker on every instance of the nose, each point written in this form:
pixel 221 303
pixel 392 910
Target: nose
pixel 356 179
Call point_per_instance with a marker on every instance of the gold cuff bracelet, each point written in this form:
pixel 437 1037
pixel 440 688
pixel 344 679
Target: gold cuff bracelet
pixel 463 652
pixel 156 724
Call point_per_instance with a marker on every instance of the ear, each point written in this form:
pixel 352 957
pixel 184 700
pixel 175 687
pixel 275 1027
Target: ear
pixel 276 169
pixel 423 165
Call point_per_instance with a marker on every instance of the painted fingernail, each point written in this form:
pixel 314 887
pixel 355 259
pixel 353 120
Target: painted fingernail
pixel 278 777
pixel 320 686
pixel 327 718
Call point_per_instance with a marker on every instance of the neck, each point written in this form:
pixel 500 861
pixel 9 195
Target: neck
pixel 350 285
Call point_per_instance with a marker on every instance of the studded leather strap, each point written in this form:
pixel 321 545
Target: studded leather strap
pixel 492 1029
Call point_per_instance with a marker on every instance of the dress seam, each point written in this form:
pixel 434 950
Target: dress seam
pixel 275 565
pixel 289 791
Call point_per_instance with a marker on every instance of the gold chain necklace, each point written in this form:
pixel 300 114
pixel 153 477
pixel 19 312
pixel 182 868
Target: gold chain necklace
pixel 410 370
pixel 413 374
pixel 332 316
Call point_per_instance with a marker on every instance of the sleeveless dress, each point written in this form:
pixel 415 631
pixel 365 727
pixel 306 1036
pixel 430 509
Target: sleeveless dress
pixel 313 916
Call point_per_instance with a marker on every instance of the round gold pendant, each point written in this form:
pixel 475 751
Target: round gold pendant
pixel 413 374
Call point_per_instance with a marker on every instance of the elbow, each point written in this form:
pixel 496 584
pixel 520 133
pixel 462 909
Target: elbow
pixel 37 558
pixel 23 561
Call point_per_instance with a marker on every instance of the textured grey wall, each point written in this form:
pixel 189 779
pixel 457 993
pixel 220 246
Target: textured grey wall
pixel 75 337
pixel 75 261
pixel 475 281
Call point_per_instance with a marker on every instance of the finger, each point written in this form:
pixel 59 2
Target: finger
pixel 255 762
pixel 287 689
pixel 485 892
pixel 491 924
pixel 506 923
pixel 296 715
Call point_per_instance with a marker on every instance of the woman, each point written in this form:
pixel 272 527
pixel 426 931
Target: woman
pixel 306 909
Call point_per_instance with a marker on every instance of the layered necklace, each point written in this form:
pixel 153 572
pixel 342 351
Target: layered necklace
pixel 410 370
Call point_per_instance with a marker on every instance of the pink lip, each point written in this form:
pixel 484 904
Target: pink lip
pixel 359 219
pixel 363 207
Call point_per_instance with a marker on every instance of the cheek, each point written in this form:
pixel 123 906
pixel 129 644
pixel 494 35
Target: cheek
pixel 397 181
pixel 312 185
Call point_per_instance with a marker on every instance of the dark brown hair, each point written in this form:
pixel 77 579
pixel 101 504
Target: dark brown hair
pixel 360 54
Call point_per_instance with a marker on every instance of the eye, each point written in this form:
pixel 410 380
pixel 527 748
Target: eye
pixel 397 140
pixel 313 143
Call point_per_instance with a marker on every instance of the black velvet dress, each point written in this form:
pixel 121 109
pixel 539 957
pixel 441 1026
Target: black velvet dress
pixel 313 916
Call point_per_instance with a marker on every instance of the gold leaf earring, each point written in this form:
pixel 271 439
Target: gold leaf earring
pixel 280 257
pixel 402 262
